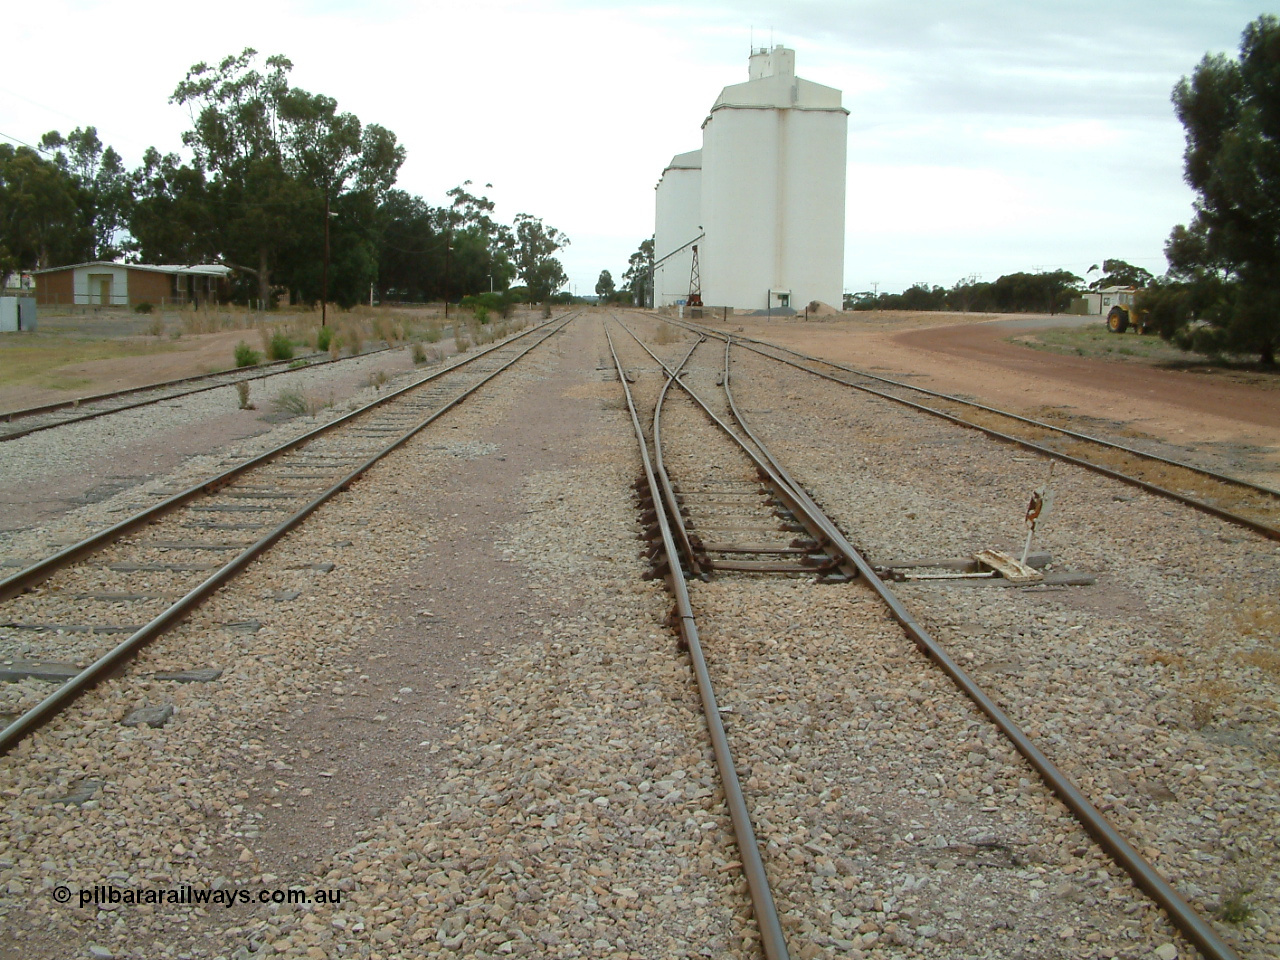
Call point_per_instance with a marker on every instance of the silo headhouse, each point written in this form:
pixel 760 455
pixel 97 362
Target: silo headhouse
pixel 763 200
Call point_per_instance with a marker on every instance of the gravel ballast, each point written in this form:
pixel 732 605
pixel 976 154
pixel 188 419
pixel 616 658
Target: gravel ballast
pixel 477 727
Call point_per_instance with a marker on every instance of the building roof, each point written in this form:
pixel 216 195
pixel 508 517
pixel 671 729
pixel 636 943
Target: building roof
pixel 198 269
pixel 773 84
pixel 686 161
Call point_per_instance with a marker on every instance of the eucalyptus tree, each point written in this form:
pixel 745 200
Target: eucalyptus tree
pixel 41 218
pixel 105 196
pixel 605 289
pixel 638 277
pixel 1225 265
pixel 535 249
pixel 278 158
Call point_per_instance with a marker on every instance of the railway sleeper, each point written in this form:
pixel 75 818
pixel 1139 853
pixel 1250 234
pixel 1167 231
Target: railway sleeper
pixel 71 627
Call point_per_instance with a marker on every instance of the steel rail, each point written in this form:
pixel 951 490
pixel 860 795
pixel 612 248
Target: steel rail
pixel 94 414
pixel 1182 914
pixel 754 344
pixel 111 661
pixel 668 492
pixel 762 904
pixel 30 576
pixel 1257 526
pixel 812 519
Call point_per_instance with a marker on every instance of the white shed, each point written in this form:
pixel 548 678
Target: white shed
pixel 1099 303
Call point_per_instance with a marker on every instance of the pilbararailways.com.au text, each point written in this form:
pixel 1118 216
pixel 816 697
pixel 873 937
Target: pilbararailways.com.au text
pixel 186 895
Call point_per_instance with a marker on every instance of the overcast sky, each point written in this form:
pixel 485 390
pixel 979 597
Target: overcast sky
pixel 985 136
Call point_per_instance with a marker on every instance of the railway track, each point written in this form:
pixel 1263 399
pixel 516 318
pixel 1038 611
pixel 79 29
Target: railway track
pixel 710 487
pixel 62 614
pixel 29 420
pixel 1249 505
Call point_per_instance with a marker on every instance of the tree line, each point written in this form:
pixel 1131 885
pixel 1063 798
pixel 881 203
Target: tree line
pixel 1221 293
pixel 1044 292
pixel 270 166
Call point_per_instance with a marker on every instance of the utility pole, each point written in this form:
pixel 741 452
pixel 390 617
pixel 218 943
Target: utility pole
pixel 448 237
pixel 324 282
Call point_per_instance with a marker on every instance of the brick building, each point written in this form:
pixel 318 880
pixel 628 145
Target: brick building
pixel 102 283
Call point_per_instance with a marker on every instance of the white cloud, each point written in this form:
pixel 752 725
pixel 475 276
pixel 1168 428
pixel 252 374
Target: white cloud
pixel 993 131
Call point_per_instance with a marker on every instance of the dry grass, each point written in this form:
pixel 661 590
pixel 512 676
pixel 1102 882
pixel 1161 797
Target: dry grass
pixel 34 358
pixel 295 403
pixel 1265 659
pixel 668 333
pixel 1207 698
pixel 1167 658
pixel 352 337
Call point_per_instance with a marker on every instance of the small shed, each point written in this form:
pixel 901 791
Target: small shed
pixel 102 283
pixel 17 314
pixel 1099 303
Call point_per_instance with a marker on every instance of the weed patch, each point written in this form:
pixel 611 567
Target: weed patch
pixel 246 356
pixel 295 403
pixel 1235 908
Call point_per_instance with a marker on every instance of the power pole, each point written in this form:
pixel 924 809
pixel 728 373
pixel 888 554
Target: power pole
pixel 324 282
pixel 448 236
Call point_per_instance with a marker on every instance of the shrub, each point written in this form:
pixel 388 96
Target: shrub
pixel 501 303
pixel 324 338
pixel 482 313
pixel 419 354
pixel 352 337
pixel 280 346
pixel 143 307
pixel 295 403
pixel 156 326
pixel 242 391
pixel 246 356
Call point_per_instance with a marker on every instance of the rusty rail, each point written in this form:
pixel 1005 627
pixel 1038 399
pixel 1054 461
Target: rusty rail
pixel 231 375
pixel 111 661
pixel 668 492
pixel 1182 914
pixel 1265 529
pixel 762 903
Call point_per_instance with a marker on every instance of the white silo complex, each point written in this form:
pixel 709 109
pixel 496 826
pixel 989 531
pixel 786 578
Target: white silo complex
pixel 770 185
pixel 678 227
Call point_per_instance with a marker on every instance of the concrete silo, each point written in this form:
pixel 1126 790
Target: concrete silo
pixel 771 193
pixel 677 227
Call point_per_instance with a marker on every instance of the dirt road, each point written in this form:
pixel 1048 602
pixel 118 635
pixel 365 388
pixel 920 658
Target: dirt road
pixel 1212 412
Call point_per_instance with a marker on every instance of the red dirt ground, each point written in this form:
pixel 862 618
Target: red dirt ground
pixel 970 355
